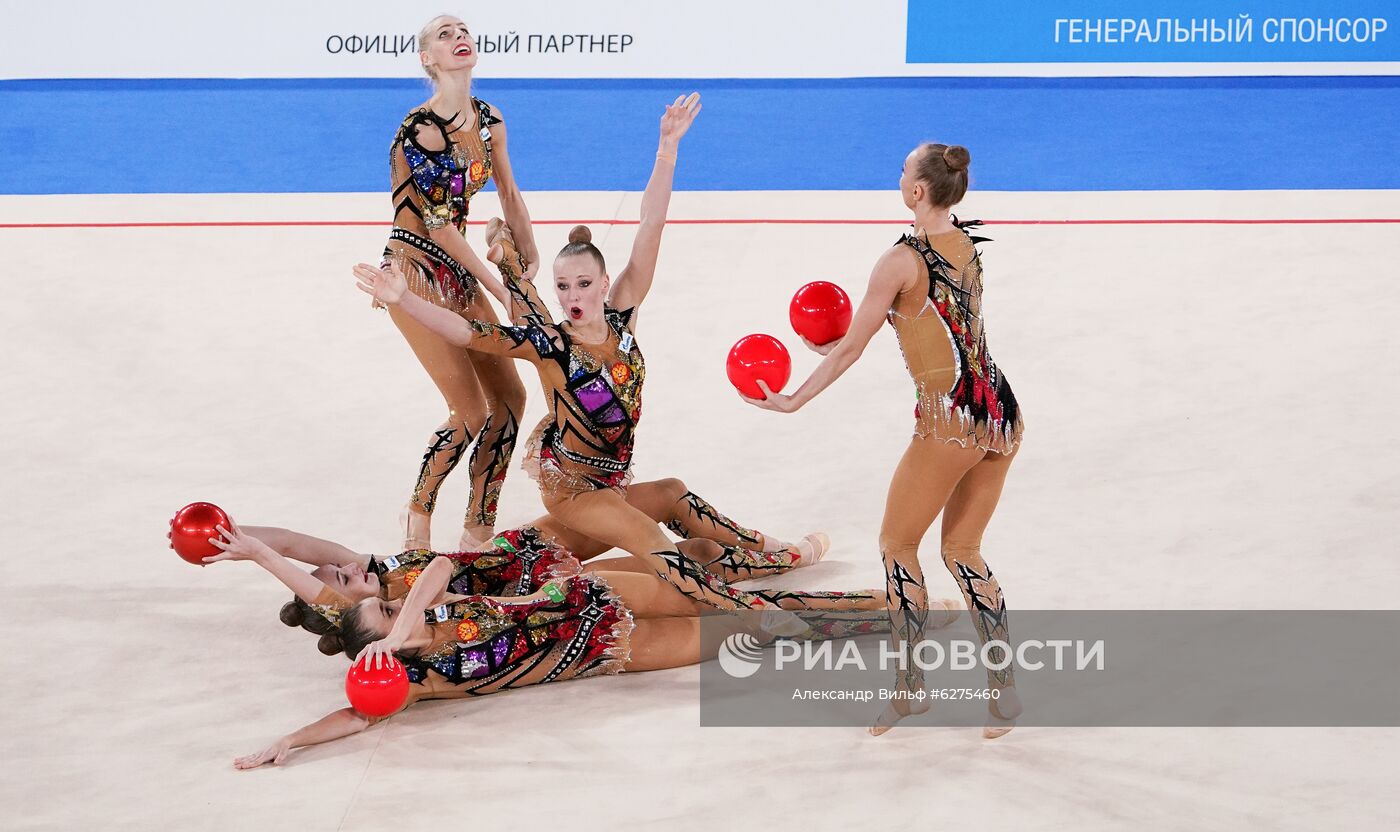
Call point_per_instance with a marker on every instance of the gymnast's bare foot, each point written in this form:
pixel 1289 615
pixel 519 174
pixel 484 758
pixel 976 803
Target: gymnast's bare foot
pixel 502 252
pixel 496 228
pixel 784 623
pixel 1002 713
pixel 897 710
pixel 807 551
pixel 812 548
pixel 475 538
pixel 417 529
pixel 952 608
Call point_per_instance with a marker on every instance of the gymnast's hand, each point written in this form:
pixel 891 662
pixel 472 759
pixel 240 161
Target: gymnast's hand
pixel 776 402
pixel 275 754
pixel 236 545
pixel 385 285
pixel 380 653
pixel 678 118
pixel 819 349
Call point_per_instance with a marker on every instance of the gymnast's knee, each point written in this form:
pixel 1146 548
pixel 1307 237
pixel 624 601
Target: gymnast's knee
pixel 705 551
pixel 460 420
pixel 896 545
pixel 961 551
pixel 509 398
pixel 673 488
pixel 898 550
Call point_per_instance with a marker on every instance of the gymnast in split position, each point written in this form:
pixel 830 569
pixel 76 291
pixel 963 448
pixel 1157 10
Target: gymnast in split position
pixel 591 369
pixel 443 153
pixel 967 421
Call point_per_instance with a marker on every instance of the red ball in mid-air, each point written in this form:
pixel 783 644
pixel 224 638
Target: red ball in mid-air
pixel 377 691
pixel 820 312
pixel 757 357
pixel 191 529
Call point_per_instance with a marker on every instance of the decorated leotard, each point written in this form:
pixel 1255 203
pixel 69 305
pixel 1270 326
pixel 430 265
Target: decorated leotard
pixel 739 560
pixel 432 189
pixel 594 392
pixel 962 396
pixel 482 646
pixel 518 562
pixel 585 444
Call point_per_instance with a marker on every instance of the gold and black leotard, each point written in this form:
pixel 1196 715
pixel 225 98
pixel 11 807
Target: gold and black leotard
pixel 962 395
pixel 482 646
pixel 515 562
pixel 433 189
pixel 593 391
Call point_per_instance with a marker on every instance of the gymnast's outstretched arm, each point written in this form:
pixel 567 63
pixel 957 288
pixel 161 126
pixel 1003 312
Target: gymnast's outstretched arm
pixel 313 551
pixel 388 285
pixel 239 545
pixel 332 726
pixel 634 282
pixel 895 271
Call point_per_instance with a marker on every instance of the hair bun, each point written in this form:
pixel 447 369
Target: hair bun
pixel 291 614
pixel 956 157
pixel 330 644
pixel 580 234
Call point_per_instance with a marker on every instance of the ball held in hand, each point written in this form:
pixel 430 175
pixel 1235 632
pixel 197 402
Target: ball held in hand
pixel 191 528
pixel 820 312
pixel 377 691
pixel 756 357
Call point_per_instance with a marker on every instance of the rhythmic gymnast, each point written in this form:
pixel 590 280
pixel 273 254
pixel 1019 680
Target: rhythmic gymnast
pixel 591 369
pixel 690 516
pixel 967 422
pixel 442 155
pixel 550 622
pixel 516 559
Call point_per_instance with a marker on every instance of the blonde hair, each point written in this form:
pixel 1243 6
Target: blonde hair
pixel 423 35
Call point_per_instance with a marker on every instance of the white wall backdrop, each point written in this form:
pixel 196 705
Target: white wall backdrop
pixel 656 38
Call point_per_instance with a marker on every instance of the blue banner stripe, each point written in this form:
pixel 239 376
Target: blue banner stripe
pixel 1152 31
pixel 214 136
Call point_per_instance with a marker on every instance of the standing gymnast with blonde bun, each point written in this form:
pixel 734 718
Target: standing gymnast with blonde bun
pixel 967 421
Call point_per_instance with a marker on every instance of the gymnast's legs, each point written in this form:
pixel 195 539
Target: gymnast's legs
pixel 937 476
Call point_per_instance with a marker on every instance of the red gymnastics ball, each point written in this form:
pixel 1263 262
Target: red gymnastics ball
pixel 191 528
pixel 757 357
pixel 820 312
pixel 377 691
